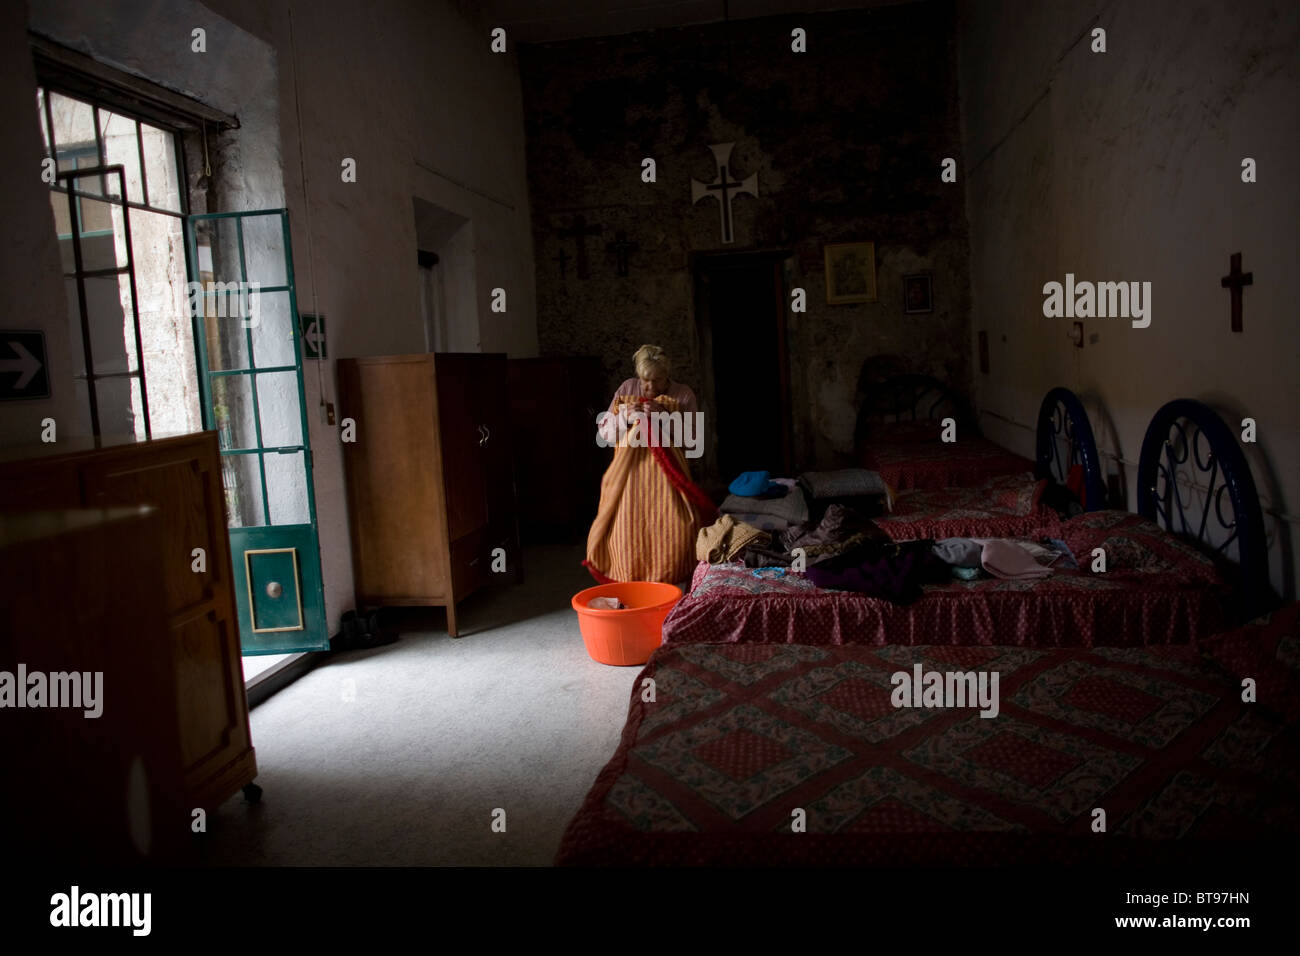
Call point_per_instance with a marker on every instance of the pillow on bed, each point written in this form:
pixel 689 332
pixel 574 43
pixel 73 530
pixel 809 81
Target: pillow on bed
pixel 1134 544
pixel 1268 651
pixel 1018 494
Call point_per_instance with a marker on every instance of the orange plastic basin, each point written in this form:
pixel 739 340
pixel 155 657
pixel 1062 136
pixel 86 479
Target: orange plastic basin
pixel 631 635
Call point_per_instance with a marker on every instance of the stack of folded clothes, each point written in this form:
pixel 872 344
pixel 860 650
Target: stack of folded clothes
pixel 863 491
pixel 765 503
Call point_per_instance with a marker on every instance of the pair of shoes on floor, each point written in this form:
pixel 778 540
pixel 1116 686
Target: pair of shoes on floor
pixel 359 631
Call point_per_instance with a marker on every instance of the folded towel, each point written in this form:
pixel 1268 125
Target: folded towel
pixel 844 483
pixel 1008 560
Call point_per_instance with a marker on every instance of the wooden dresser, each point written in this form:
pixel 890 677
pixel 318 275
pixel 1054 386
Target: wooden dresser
pixel 181 477
pixel 431 492
pixel 80 598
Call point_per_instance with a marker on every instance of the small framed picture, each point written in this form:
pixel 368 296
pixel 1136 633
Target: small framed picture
pixel 850 272
pixel 917 294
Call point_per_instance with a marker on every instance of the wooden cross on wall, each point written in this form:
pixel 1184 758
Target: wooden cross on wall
pixel 622 249
pixel 1236 280
pixel 562 259
pixel 580 231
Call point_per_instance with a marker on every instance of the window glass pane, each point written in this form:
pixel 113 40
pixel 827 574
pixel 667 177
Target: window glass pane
pixel 99 247
pixel 242 479
pixel 40 112
pixel 286 488
pixel 81 390
pixel 264 250
pixel 219 249
pixel 160 168
pixel 232 405
pixel 74 331
pixel 224 302
pixel 74 132
pixel 137 406
pixel 112 335
pixel 118 406
pixel 96 215
pixel 121 148
pixel 277 400
pixel 273 333
pixel 62 222
pixel 165 328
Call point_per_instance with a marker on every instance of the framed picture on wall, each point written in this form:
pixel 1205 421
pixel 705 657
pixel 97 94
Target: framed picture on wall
pixel 918 296
pixel 850 272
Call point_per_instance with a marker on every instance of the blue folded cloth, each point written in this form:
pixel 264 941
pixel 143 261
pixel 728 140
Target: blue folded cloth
pixel 751 484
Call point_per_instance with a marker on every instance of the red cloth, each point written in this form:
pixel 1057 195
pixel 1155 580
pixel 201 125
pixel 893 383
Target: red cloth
pixel 1077 484
pixel 738 736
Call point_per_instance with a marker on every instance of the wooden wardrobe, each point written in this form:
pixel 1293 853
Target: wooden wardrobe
pixel 431 494
pixel 181 478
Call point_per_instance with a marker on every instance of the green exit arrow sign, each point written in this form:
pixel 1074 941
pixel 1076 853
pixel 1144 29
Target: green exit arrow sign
pixel 313 335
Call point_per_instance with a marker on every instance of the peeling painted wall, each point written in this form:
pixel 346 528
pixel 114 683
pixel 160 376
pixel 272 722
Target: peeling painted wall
pixel 847 140
pixel 1126 165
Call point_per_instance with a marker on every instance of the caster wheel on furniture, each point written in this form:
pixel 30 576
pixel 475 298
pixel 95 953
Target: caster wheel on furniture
pixel 252 793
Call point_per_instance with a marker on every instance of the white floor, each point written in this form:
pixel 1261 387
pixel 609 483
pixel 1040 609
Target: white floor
pixel 262 662
pixel 402 754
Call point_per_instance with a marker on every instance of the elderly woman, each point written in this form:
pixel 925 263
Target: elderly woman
pixel 650 510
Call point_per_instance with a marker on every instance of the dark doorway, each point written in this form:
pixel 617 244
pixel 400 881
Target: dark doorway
pixel 740 308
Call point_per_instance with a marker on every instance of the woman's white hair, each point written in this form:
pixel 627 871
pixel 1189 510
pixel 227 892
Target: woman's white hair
pixel 651 359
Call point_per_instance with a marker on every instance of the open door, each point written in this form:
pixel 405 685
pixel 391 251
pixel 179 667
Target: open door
pixel 249 360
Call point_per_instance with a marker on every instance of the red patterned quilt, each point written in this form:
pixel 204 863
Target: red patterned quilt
pixel 936 464
pixel 1004 507
pixel 1156 590
pixel 742 742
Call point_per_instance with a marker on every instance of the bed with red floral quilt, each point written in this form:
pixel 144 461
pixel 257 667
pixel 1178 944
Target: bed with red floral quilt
pixel 762 754
pixel 1156 589
pixel 912 455
pixel 1009 506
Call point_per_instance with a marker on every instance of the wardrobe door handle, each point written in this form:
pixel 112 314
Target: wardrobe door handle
pixel 487 437
pixel 481 439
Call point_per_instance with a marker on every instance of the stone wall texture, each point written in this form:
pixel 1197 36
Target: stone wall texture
pixel 847 139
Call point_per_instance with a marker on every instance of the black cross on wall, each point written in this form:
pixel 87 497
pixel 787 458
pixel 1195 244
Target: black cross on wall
pixel 1236 280
pixel 580 231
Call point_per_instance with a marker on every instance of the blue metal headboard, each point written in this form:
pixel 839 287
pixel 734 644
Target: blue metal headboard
pixel 1062 420
pixel 1187 439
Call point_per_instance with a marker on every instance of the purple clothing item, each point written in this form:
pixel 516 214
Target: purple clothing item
pixel 894 572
